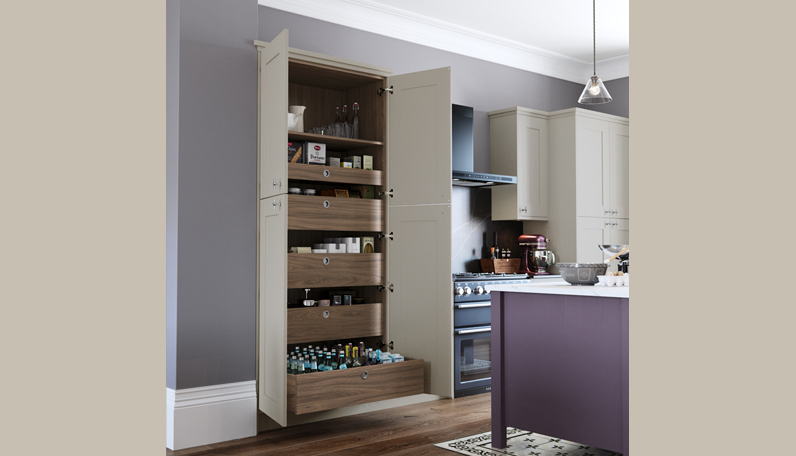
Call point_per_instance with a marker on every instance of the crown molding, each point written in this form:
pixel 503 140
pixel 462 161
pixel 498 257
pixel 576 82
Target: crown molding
pixel 395 23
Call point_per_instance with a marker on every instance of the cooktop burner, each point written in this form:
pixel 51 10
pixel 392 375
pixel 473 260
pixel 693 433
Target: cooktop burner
pixel 470 276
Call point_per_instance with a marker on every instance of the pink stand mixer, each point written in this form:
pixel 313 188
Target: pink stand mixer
pixel 536 258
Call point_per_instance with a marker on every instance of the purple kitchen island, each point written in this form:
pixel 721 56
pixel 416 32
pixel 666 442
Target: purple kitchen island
pixel 560 363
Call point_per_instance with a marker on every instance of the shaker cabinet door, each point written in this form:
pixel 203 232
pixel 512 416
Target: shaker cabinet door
pixel 591 170
pixel 591 233
pixel 420 306
pixel 419 138
pixel 272 308
pixel 272 117
pixel 620 170
pixel 532 167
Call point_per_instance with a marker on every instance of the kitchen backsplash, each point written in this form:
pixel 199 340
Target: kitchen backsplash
pixel 472 228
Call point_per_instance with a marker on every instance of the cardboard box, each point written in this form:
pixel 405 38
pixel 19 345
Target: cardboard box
pixel 367 162
pixel 334 162
pixel 356 160
pixel 367 245
pixel 296 152
pixel 316 153
pixel 346 164
pixel 367 191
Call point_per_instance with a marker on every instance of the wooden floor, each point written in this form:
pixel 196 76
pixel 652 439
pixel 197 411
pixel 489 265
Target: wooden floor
pixel 403 431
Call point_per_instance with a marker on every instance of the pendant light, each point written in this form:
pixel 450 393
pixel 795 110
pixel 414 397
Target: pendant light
pixel 594 92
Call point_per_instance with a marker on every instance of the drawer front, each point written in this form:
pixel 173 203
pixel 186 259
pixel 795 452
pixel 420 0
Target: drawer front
pixel 324 174
pixel 334 214
pixel 333 323
pixel 330 390
pixel 307 270
pixel 472 316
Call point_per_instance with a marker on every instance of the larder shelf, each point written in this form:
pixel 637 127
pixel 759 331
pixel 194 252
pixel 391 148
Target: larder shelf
pixel 333 323
pixel 310 270
pixel 334 214
pixel 333 143
pixel 299 171
pixel 319 391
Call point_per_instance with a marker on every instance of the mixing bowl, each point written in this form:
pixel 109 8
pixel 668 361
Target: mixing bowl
pixel 581 273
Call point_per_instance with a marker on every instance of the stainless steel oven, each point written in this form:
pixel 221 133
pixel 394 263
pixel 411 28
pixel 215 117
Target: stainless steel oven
pixel 472 332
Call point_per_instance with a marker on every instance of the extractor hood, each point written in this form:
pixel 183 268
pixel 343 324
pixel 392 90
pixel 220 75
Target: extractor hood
pixel 463 174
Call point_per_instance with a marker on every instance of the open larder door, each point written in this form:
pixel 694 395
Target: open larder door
pixel 420 304
pixel 272 131
pixel 272 229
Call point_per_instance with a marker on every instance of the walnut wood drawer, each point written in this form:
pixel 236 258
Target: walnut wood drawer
pixel 333 322
pixel 334 214
pixel 320 391
pixel 317 173
pixel 310 270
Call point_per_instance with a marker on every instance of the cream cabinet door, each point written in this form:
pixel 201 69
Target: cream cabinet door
pixel 532 168
pixel 420 307
pixel 272 309
pixel 620 232
pixel 619 172
pixel 591 233
pixel 591 167
pixel 419 138
pixel 272 117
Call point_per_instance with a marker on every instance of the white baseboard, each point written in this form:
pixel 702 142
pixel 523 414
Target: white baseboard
pixel 210 414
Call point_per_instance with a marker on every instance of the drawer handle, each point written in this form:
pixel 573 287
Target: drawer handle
pixel 468 306
pixel 325 314
pixel 326 204
pixel 473 331
pixel 326 173
pixel 364 375
pixel 325 261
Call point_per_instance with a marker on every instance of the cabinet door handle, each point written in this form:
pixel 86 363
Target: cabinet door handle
pixel 607 223
pixel 275 204
pixel 606 212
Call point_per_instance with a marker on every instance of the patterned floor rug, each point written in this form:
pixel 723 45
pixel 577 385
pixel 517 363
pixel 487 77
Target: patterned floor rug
pixel 521 443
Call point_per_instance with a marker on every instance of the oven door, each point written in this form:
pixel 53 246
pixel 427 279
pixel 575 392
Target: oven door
pixel 472 360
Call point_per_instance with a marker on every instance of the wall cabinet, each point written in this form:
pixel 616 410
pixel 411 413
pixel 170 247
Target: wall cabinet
pixel 518 146
pixel 588 179
pixel 406 281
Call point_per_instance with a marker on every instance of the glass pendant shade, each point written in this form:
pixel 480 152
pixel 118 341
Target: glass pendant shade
pixel 594 92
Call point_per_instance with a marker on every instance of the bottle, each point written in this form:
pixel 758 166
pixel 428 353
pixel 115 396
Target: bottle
pixel 314 364
pixel 321 363
pixel 341 361
pixel 293 365
pixel 301 368
pixel 338 123
pixel 346 125
pixel 288 363
pixel 333 360
pixel 355 122
pixel 355 362
pixel 493 257
pixel 348 359
pixel 495 244
pixel 327 366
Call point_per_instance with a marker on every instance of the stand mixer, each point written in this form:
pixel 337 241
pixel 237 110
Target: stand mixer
pixel 536 258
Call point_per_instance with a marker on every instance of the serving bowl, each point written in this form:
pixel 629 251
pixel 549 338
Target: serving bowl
pixel 581 273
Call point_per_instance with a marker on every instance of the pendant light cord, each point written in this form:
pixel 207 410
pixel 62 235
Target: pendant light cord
pixel 594 32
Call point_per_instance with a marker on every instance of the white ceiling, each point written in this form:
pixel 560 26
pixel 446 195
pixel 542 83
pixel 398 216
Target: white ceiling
pixel 550 37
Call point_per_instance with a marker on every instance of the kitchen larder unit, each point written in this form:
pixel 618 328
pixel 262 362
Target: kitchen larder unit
pixel 405 125
pixel 589 182
pixel 518 146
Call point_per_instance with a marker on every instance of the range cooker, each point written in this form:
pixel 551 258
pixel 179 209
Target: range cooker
pixel 472 329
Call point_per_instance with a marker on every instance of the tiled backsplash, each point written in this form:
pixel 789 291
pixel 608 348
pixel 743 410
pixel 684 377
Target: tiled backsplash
pixel 472 228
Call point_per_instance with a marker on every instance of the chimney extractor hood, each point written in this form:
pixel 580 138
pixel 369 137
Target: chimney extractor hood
pixel 463 174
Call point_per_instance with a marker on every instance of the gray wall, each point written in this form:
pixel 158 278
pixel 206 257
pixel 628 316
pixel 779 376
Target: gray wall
pixel 216 202
pixel 172 183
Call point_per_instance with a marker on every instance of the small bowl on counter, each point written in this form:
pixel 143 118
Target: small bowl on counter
pixel 583 274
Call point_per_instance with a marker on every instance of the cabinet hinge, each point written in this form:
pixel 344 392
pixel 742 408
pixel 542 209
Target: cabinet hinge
pixel 386 193
pixel 381 345
pixel 382 288
pixel 382 90
pixel 382 236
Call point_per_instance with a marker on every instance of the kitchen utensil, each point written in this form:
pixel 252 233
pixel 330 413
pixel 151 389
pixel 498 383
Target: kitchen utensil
pixel 616 255
pixel 309 302
pixel 581 273
pixel 535 258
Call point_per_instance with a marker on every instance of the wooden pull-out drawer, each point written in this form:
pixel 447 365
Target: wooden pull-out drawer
pixel 319 391
pixel 334 214
pixel 316 173
pixel 315 270
pixel 333 322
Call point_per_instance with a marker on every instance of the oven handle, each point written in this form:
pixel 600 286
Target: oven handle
pixel 475 330
pixel 468 306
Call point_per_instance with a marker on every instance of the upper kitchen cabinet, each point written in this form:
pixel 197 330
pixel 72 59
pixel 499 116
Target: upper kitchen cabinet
pixel 602 153
pixel 589 156
pixel 403 279
pixel 518 146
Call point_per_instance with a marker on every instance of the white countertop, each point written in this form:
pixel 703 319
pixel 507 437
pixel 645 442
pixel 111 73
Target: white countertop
pixel 564 288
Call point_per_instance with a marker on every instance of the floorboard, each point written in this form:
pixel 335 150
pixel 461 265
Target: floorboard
pixel 402 431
